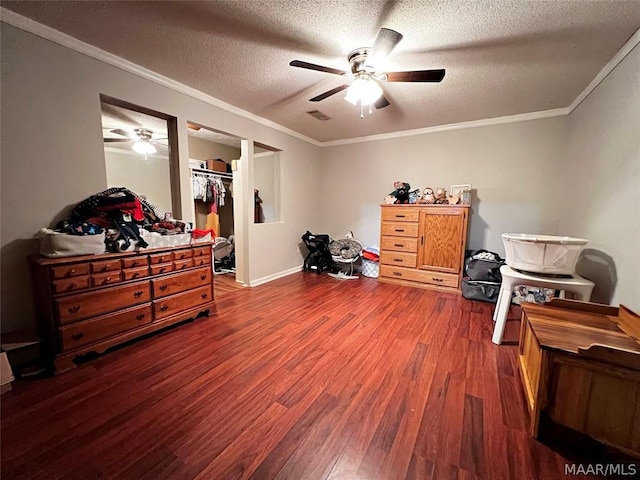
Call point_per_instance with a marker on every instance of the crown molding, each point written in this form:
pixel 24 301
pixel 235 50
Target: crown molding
pixel 31 26
pixel 521 117
pixel 48 33
pixel 607 69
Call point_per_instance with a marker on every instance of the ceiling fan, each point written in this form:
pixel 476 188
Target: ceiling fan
pixel 364 87
pixel 143 139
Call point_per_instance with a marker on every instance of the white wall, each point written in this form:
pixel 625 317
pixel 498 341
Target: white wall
pixel 603 172
pixel 514 169
pixel 266 179
pixel 52 155
pixel 200 149
pixel 148 177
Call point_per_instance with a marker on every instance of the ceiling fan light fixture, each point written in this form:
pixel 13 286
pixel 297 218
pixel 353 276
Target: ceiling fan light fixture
pixel 364 90
pixel 143 147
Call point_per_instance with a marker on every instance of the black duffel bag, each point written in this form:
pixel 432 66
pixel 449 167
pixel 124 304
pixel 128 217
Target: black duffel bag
pixel 479 290
pixel 483 265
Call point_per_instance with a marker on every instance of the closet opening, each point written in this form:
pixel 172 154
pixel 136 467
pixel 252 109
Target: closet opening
pixel 212 158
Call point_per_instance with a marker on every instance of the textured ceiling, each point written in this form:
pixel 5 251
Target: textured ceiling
pixel 502 57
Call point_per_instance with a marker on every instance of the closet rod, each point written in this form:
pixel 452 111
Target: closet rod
pixel 213 172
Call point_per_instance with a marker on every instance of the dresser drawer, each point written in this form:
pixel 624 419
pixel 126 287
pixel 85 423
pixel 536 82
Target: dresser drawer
pixel 182 254
pixel 70 284
pixel 182 264
pixel 422 276
pixel 400 229
pixel 134 262
pixel 161 268
pixel 84 305
pixel 202 252
pixel 200 261
pixel 180 282
pixel 168 306
pixel 67 271
pixel 400 214
pixel 133 273
pixel 399 258
pixel 400 244
pixel 102 279
pixel 160 258
pixel 105 266
pixel 89 331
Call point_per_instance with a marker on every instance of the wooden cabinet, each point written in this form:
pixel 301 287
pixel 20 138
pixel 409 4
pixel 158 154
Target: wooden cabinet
pixel 423 245
pixel 92 302
pixel 580 365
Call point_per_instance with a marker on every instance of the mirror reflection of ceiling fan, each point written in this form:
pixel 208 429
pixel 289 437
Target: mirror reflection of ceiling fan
pixel 365 75
pixel 143 139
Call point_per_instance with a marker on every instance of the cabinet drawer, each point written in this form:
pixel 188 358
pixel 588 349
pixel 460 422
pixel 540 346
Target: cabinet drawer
pixel 400 244
pixel 399 258
pixel 422 276
pixel 182 254
pixel 135 262
pixel 161 268
pixel 133 273
pixel 67 271
pixel 400 229
pixel 200 261
pixel 182 264
pixel 83 305
pixel 101 279
pixel 202 252
pixel 105 266
pixel 168 306
pixel 400 214
pixel 180 282
pixel 160 258
pixel 70 284
pixel 83 333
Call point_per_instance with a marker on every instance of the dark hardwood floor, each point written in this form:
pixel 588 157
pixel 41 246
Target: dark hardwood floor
pixel 307 377
pixel 224 284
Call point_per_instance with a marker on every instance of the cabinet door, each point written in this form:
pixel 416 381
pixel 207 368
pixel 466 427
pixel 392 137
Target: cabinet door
pixel 442 233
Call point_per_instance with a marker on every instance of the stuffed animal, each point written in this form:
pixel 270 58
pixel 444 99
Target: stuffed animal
pixel 453 199
pixel 401 192
pixel 441 196
pixel 413 195
pixel 427 196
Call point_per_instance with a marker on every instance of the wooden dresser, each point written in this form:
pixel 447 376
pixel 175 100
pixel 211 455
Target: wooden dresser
pixel 423 245
pixel 89 303
pixel 580 365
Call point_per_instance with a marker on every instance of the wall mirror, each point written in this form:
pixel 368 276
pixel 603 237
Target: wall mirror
pixel 139 151
pixel 266 183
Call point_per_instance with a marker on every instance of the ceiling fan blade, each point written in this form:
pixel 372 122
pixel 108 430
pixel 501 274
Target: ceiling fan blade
pixel 313 66
pixel 327 94
pixel 119 131
pixel 384 44
pixel 108 140
pixel 416 76
pixel 381 102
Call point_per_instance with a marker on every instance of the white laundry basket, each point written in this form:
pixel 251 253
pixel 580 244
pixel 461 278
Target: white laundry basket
pixel 542 253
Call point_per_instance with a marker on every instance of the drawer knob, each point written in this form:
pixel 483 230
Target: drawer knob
pixel 135 275
pixel 74 309
pixel 138 294
pixel 399 216
pixel 397 245
pixel 140 316
pixel 73 285
pixel 397 260
pixel 72 271
pixel 437 279
pixel 134 264
pixel 183 266
pixel 397 274
pixel 203 276
pixel 164 308
pixel 77 336
pixel 399 229
pixel 204 295
pixel 162 270
pixel 162 288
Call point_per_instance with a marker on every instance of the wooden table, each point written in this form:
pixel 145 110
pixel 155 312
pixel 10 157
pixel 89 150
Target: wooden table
pixel 580 364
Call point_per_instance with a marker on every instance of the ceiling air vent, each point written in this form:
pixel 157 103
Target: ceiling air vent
pixel 318 115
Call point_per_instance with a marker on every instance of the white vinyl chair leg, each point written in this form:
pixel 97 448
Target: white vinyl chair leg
pixel 496 308
pixel 502 312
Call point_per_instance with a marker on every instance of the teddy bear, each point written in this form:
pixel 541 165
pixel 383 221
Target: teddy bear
pixel 441 196
pixel 401 192
pixel 427 196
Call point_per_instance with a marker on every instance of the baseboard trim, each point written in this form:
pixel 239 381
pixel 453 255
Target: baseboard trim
pixel 275 276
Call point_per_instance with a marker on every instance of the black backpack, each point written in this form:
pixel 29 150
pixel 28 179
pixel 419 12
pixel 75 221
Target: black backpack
pixel 482 276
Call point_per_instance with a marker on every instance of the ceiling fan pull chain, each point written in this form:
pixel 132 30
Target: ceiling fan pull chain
pixel 361 109
pixel 370 111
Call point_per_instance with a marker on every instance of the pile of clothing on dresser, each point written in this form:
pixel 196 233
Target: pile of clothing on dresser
pixel 125 218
